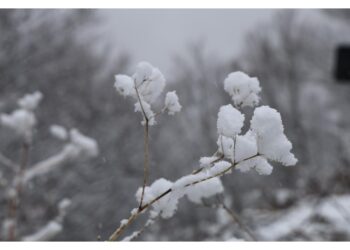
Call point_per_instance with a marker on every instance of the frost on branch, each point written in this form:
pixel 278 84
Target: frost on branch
pixel 165 207
pixel 23 120
pixel 145 86
pixel 243 89
pixel 272 142
pixel 205 189
pixel 230 121
pixel 172 103
pixel 59 132
pixel 30 101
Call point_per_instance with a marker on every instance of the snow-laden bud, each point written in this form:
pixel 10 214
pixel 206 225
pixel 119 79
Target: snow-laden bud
pixel 21 121
pixel 59 132
pixel 85 145
pixel 143 72
pixel 124 85
pixel 230 121
pixel 145 108
pixel 272 142
pixel 243 89
pixel 172 104
pixel 30 101
pixel 152 87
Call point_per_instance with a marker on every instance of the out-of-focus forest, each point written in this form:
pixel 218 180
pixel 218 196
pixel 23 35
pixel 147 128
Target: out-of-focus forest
pixel 293 55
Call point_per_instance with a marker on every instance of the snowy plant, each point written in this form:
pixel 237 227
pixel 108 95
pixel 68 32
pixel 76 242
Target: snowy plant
pixel 76 146
pixel 238 148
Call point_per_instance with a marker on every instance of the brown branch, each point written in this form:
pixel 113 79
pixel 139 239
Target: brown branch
pixel 146 148
pixel 13 205
pixel 235 217
pixel 115 235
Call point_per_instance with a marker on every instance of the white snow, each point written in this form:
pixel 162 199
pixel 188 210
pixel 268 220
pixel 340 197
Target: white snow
pixel 150 82
pixel 146 107
pixel 204 189
pixel 59 132
pixel 272 142
pixel 246 146
pixel 243 89
pixel 207 161
pixel 125 85
pixel 30 101
pixel 86 145
pixel 230 121
pixel 219 167
pixel 172 103
pixel 21 121
pixel 226 147
pixel 165 207
pixel 46 233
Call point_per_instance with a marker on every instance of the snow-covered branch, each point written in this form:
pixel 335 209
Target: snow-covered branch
pixel 263 141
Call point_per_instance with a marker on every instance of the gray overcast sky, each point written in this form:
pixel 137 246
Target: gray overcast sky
pixel 156 35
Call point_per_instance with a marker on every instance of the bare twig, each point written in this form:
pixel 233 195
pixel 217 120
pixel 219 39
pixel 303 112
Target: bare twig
pixel 235 217
pixel 146 149
pixel 14 200
pixel 115 235
pixel 8 163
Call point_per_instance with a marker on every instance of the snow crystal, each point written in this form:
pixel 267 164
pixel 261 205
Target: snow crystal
pixel 219 167
pixel 30 101
pixel 59 132
pixel 124 85
pixel 246 146
pixel 243 89
pixel 164 207
pixel 259 163
pixel 204 189
pixel 226 147
pixel 146 107
pixel 263 167
pixel 143 72
pixel 272 142
pixel 150 82
pixel 207 162
pixel 86 145
pixel 21 121
pixel 172 103
pixel 230 121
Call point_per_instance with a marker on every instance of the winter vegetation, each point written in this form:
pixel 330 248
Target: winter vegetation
pixel 95 146
pixel 264 140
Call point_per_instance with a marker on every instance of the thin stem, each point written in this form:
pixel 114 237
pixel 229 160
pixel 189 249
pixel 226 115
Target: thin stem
pixel 134 215
pixel 13 205
pixel 235 217
pixel 146 148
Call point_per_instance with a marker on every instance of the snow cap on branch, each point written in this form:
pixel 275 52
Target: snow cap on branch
pixel 230 121
pixel 172 103
pixel 84 145
pixel 30 101
pixel 272 142
pixel 165 207
pixel 21 121
pixel 150 82
pixel 204 189
pixel 59 132
pixel 124 85
pixel 243 89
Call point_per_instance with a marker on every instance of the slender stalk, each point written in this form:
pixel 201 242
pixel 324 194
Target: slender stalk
pixel 115 235
pixel 146 148
pixel 235 218
pixel 13 206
